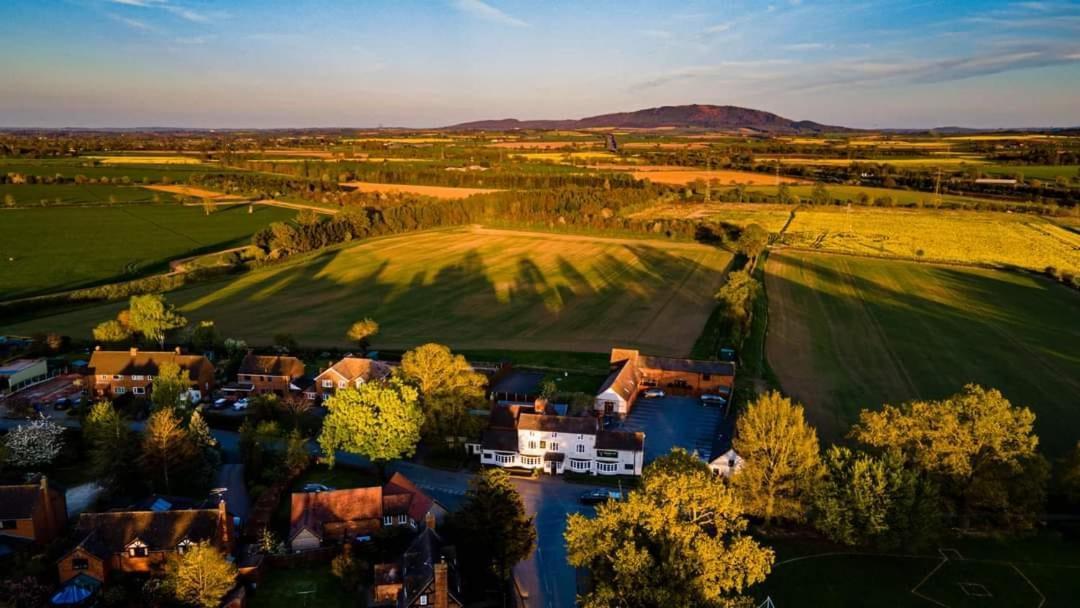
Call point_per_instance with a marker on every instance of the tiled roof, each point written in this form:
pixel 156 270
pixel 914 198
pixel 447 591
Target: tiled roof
pixel 358 367
pixel 418 564
pixel 620 440
pixel 272 365
pixel 17 502
pixel 581 425
pixel 624 379
pixel 312 510
pixel 418 504
pixel 126 363
pixel 720 368
pixel 108 533
pixel 500 440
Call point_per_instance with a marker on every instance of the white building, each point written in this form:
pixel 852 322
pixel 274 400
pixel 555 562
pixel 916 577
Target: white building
pixel 528 438
pixel 726 464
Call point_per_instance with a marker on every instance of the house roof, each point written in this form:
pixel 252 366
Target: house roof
pixel 111 532
pixel 272 365
pixel 134 361
pixel 506 416
pixel 624 379
pixel 500 440
pixel 311 511
pixel 418 564
pixel 720 368
pixel 580 425
pixel 418 503
pixel 17 502
pixel 620 440
pixel 351 368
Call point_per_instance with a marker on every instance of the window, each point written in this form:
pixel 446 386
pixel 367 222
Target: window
pixel 629 466
pixel 607 454
pixel 554 446
pixel 120 390
pixel 342 384
pixel 504 458
pixel 388 520
pixel 80 563
pixel 103 377
pixel 137 552
pixel 543 445
pixel 138 390
pixel 8 524
pixel 117 377
pixel 137 377
pixel 579 465
pixel 580 448
pixel 149 377
pixel 554 434
pixel 183 547
pixel 532 445
pixel 328 384
pixel 423 600
pixel 530 460
pixel 402 518
pixel 607 467
pixel 487 455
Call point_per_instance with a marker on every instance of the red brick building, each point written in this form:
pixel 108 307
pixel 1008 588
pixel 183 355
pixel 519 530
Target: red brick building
pixel 120 372
pixel 33 512
pixel 275 374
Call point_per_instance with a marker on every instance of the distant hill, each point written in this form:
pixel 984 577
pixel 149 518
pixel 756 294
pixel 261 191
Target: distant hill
pixel 720 118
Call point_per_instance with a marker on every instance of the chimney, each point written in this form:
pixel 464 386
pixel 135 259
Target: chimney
pixel 442 585
pixel 98 347
pixel 178 350
pixel 134 350
pixel 429 521
pixel 540 405
pixel 47 503
pixel 224 523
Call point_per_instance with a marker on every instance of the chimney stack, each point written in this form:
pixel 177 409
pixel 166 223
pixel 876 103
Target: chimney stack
pixel 178 350
pixel 540 405
pixel 442 585
pixel 46 501
pixel 429 521
pixel 224 523
pixel 134 350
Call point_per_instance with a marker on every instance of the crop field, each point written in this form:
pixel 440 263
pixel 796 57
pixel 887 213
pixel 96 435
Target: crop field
pixel 848 333
pixel 561 156
pixel 945 162
pixel 443 192
pixel 50 195
pixel 1046 172
pixel 1020 240
pixel 681 178
pixel 70 167
pixel 468 288
pixel 769 217
pixel 47 250
pixel 147 160
pixel 195 192
pixel 546 145
pixel 899 197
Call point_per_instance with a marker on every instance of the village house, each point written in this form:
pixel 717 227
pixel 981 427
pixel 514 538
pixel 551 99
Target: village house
pixel 332 517
pixel 532 438
pixel 350 372
pixel 726 464
pixel 34 513
pixel 425 575
pixel 631 372
pixel 141 541
pixel 274 374
pixel 119 372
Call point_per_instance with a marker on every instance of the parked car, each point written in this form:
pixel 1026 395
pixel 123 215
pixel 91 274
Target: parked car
pixel 654 393
pixel 220 404
pixel 315 487
pixel 240 405
pixel 713 400
pixel 62 404
pixel 595 497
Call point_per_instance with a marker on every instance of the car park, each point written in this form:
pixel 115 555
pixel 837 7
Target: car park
pixel 599 496
pixel 653 393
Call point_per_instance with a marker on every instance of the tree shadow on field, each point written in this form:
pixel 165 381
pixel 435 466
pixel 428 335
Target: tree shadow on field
pixel 877 342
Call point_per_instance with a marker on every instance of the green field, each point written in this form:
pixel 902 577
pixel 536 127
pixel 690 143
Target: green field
pixel 848 333
pixel 55 249
pixel 52 195
pixel 469 288
pixel 70 167
pixel 899 197
pixel 312 585
pixel 1047 172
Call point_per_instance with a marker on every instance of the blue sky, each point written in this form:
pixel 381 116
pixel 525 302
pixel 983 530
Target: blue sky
pixel 268 63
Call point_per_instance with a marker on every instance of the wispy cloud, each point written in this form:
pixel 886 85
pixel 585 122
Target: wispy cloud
pixel 483 10
pixel 719 28
pixel 658 34
pixel 134 24
pixel 165 5
pixel 806 46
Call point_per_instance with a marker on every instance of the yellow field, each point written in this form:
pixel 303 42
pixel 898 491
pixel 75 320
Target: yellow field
pixel 683 177
pixel 403 140
pixel 443 192
pixel 147 160
pixel 1000 137
pixel 897 162
pixel 545 145
pixel 895 143
pixel 949 236
pixel 561 156
pixel 769 217
pixel 196 192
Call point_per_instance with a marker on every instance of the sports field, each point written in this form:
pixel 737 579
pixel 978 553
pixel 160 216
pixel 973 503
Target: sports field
pixel 1025 241
pixel 469 288
pixel 847 333
pixel 55 249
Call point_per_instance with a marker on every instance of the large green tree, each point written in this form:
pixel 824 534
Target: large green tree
pixel 492 529
pixel 112 332
pixel 201 576
pixel 980 447
pixel 168 386
pixel 379 420
pixel 362 332
pixel 737 298
pixel 753 241
pixel 448 386
pixel 111 445
pixel 167 448
pixel 153 317
pixel 678 540
pixel 781 458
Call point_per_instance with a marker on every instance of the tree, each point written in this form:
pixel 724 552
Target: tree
pixel 296 453
pixel 204 337
pixel 285 343
pixel 819 195
pixel 362 331
pixel 492 528
pixel 379 420
pixel 112 332
pixel 737 298
pixel 168 386
pixel 201 576
pixel 781 458
pixel 678 540
pixel 753 240
pixel 975 443
pixel 448 385
pixel 110 443
pixel 153 317
pixel 34 444
pixel 166 446
pixel 199 431
pixel 9 200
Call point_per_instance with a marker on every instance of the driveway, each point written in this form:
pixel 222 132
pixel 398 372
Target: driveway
pixel 231 477
pixel 675 421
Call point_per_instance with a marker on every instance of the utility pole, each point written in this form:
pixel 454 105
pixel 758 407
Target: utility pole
pixel 708 182
pixel 937 187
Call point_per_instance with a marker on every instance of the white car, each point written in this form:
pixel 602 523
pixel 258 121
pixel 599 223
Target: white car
pixel 711 399
pixel 240 405
pixel 654 393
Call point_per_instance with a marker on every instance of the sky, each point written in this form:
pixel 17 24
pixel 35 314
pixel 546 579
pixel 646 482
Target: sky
pixel 427 63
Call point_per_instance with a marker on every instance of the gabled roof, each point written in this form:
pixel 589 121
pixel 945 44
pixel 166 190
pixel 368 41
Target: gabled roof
pixel 579 425
pixel 272 365
pixel 404 493
pixel 109 533
pixel 620 440
pixel 311 511
pixel 129 362
pixel 18 502
pixel 624 379
pixel 418 564
pixel 351 368
pixel 719 368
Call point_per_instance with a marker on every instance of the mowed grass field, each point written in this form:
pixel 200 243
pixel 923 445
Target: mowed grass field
pixel 848 333
pixel 470 288
pixel 1024 241
pixel 46 250
pixel 48 195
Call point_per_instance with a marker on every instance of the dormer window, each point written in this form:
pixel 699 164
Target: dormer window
pixel 183 547
pixel 137 548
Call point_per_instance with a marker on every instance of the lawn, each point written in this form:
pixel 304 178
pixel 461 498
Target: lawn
pixel 63 248
pixel 470 288
pixel 847 333
pixel 301 587
pixel 1021 240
